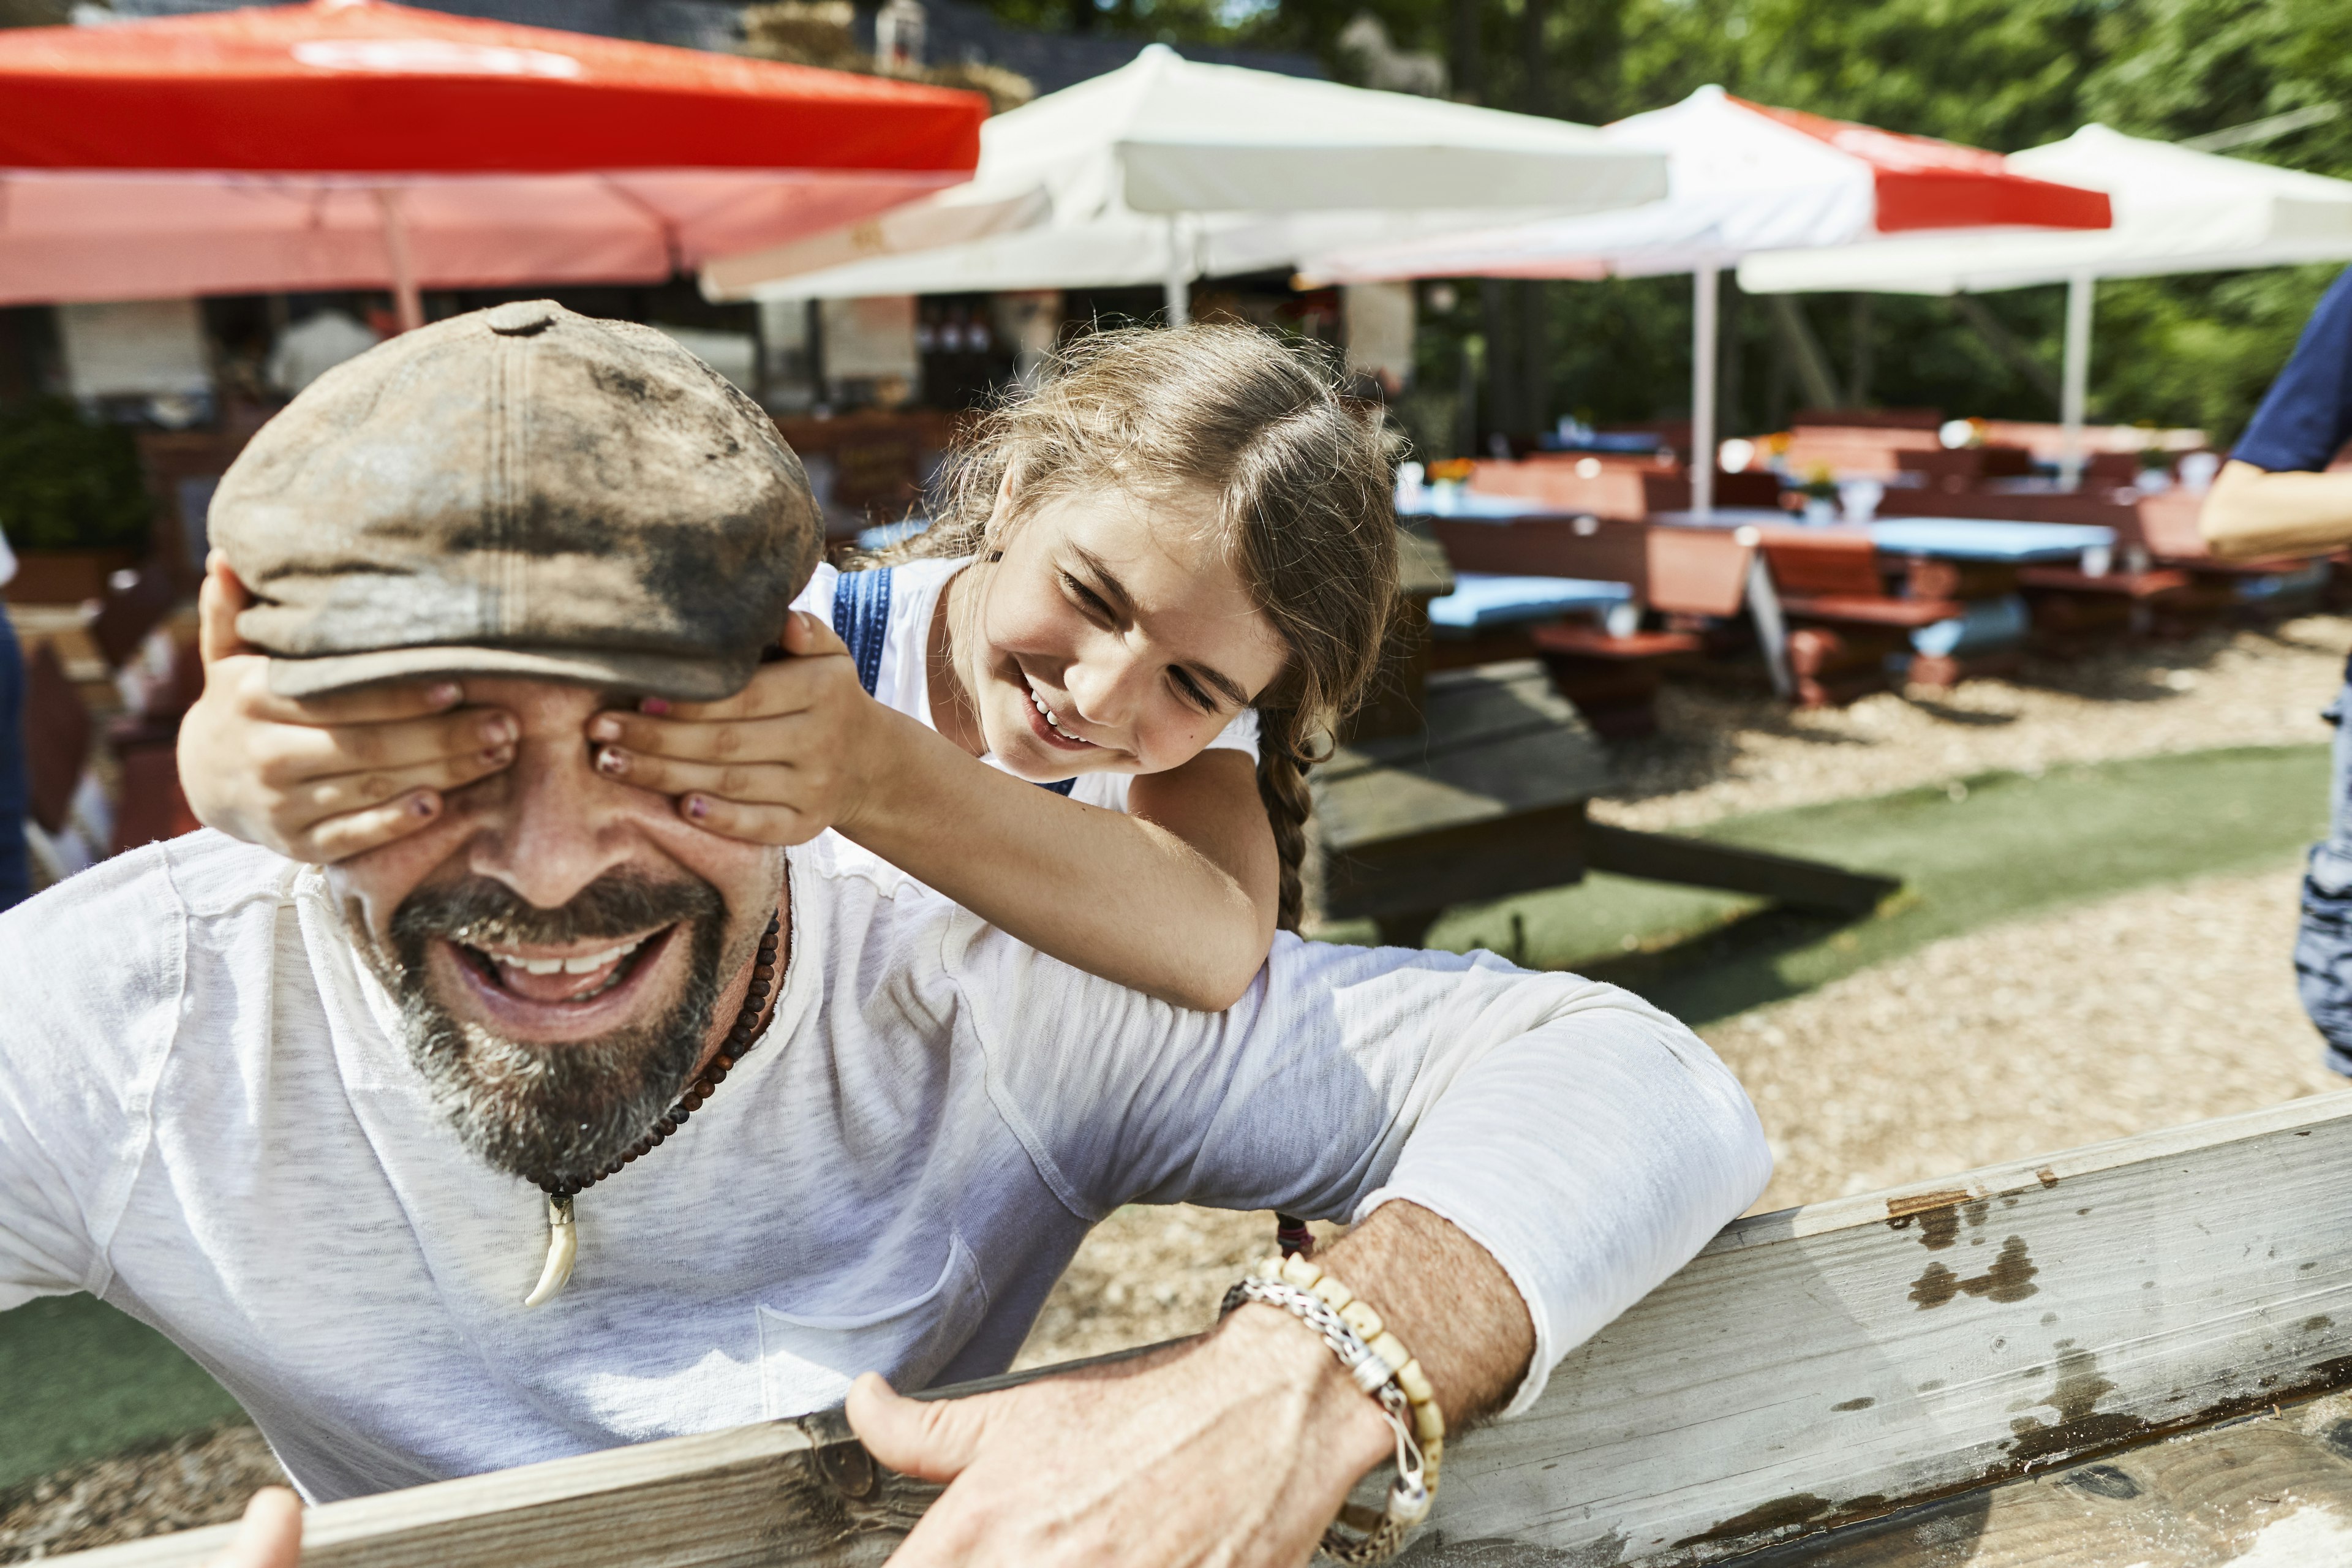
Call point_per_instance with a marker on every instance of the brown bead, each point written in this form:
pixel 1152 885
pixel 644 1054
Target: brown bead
pixel 763 972
pixel 717 1073
pixel 692 1102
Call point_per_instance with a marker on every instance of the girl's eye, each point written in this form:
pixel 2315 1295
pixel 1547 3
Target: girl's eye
pixel 1192 691
pixel 1088 600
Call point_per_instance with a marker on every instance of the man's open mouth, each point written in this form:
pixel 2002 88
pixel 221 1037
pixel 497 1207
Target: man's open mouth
pixel 575 973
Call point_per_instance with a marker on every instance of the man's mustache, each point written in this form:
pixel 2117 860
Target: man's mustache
pixel 482 911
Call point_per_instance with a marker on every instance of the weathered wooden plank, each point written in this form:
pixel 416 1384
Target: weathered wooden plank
pixel 1702 863
pixel 1813 1370
pixel 731 1499
pixel 1831 1364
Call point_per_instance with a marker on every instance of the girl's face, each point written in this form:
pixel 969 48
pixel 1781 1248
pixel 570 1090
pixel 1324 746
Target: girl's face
pixel 1112 636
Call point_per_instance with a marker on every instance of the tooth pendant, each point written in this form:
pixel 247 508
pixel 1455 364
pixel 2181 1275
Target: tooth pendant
pixel 562 1246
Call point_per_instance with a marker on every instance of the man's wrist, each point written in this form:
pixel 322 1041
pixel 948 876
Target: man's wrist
pixel 1264 1342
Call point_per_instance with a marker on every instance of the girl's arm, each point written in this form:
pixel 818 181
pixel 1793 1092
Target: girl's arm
pixel 1175 898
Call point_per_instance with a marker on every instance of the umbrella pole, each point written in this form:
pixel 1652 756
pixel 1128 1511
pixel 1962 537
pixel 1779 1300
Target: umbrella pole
pixel 1180 274
pixel 1705 300
pixel 2074 389
pixel 406 303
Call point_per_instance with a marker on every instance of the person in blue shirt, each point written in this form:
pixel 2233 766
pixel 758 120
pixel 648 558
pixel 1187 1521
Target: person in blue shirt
pixel 2273 498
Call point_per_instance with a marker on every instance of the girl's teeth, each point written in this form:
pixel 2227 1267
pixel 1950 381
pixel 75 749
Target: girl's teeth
pixel 1053 723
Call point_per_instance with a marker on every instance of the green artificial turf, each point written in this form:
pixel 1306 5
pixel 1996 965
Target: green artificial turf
pixel 1989 849
pixel 78 1379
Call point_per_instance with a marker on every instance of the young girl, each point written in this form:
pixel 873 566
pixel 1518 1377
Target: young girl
pixel 1153 583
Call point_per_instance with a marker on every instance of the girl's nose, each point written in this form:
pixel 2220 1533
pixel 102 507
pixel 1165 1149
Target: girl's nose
pixel 1107 684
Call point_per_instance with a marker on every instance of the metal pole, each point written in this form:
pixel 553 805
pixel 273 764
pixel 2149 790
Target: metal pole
pixel 2075 387
pixel 1703 345
pixel 407 307
pixel 1180 274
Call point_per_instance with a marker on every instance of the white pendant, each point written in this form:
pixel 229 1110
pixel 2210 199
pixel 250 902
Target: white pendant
pixel 562 1246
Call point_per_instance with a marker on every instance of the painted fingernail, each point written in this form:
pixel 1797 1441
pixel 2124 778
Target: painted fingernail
pixel 605 728
pixel 610 761
pixel 697 807
pixel 499 756
pixel 498 729
pixel 654 705
pixel 424 806
pixel 443 695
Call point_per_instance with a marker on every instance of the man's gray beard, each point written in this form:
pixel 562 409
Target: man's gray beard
pixel 555 1114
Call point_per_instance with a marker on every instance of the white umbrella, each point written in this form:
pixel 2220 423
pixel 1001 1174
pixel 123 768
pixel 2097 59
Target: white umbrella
pixel 2176 211
pixel 1744 178
pixel 1165 171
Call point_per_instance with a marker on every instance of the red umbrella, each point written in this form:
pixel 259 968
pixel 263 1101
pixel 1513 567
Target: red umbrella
pixel 352 144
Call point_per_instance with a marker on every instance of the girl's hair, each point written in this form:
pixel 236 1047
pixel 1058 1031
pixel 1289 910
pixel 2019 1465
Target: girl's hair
pixel 1301 482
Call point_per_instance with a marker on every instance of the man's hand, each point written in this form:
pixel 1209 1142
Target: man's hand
pixel 272 1535
pixel 1237 1450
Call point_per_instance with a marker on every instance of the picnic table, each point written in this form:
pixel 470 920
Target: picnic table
pixel 1489 800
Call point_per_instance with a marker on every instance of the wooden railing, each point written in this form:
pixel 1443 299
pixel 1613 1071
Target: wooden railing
pixel 1813 1367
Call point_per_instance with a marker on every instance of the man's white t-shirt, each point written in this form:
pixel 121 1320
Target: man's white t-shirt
pixel 206 1119
pixel 904 678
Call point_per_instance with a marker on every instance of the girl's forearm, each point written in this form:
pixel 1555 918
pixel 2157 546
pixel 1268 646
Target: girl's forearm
pixel 2251 512
pixel 1114 894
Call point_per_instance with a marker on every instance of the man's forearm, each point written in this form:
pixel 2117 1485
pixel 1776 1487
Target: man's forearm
pixel 2252 512
pixel 1447 1299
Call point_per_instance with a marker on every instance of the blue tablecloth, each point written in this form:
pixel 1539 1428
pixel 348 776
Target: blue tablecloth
pixel 1484 599
pixel 1452 501
pixel 1986 539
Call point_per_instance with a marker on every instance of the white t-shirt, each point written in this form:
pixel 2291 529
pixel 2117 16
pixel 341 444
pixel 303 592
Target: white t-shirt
pixel 903 681
pixel 207 1120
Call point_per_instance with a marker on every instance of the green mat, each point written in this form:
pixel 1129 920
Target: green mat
pixel 1989 848
pixel 78 1380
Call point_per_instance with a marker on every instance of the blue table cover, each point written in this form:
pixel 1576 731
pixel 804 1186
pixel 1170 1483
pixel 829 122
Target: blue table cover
pixel 1986 539
pixel 1483 599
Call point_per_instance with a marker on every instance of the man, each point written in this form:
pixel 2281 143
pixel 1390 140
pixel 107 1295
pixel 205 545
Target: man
pixel 304 1121
pixel 2273 498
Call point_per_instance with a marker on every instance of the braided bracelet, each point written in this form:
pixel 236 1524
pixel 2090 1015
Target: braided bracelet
pixel 1380 1364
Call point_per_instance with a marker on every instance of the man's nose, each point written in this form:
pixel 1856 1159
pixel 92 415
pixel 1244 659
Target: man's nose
pixel 561 825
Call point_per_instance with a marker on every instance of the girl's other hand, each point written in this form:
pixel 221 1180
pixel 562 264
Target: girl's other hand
pixel 321 778
pixel 771 765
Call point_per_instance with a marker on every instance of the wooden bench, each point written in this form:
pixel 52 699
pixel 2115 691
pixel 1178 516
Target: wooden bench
pixel 1489 800
pixel 2128 1354
pixel 1844 624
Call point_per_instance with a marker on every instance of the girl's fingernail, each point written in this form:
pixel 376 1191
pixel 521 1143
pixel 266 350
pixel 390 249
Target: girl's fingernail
pixel 605 728
pixel 610 761
pixel 444 694
pixel 654 705
pixel 498 729
pixel 424 806
pixel 697 807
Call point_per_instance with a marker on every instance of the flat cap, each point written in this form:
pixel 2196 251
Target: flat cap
pixel 521 490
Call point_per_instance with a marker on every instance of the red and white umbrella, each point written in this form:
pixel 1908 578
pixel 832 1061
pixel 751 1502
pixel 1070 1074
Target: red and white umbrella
pixel 352 144
pixel 1743 178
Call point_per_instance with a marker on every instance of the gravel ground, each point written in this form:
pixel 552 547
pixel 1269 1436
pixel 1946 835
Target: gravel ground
pixel 200 1480
pixel 2146 1010
pixel 1725 753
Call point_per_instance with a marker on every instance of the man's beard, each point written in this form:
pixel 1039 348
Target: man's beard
pixel 555 1114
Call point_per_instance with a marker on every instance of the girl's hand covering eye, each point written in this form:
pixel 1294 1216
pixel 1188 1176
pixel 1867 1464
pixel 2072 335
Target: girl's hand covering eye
pixel 322 778
pixel 775 763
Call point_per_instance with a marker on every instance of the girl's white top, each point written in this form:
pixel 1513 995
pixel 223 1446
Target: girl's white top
pixel 904 682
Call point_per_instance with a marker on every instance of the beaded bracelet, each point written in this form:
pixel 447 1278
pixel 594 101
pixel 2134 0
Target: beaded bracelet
pixel 1381 1365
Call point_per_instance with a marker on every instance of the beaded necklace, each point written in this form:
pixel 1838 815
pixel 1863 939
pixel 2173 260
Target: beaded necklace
pixel 562 1234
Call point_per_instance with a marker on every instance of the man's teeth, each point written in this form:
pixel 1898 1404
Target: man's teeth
pixel 586 963
pixel 1051 722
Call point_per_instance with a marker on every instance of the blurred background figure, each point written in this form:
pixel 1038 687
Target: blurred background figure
pixel 15 876
pixel 2276 496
